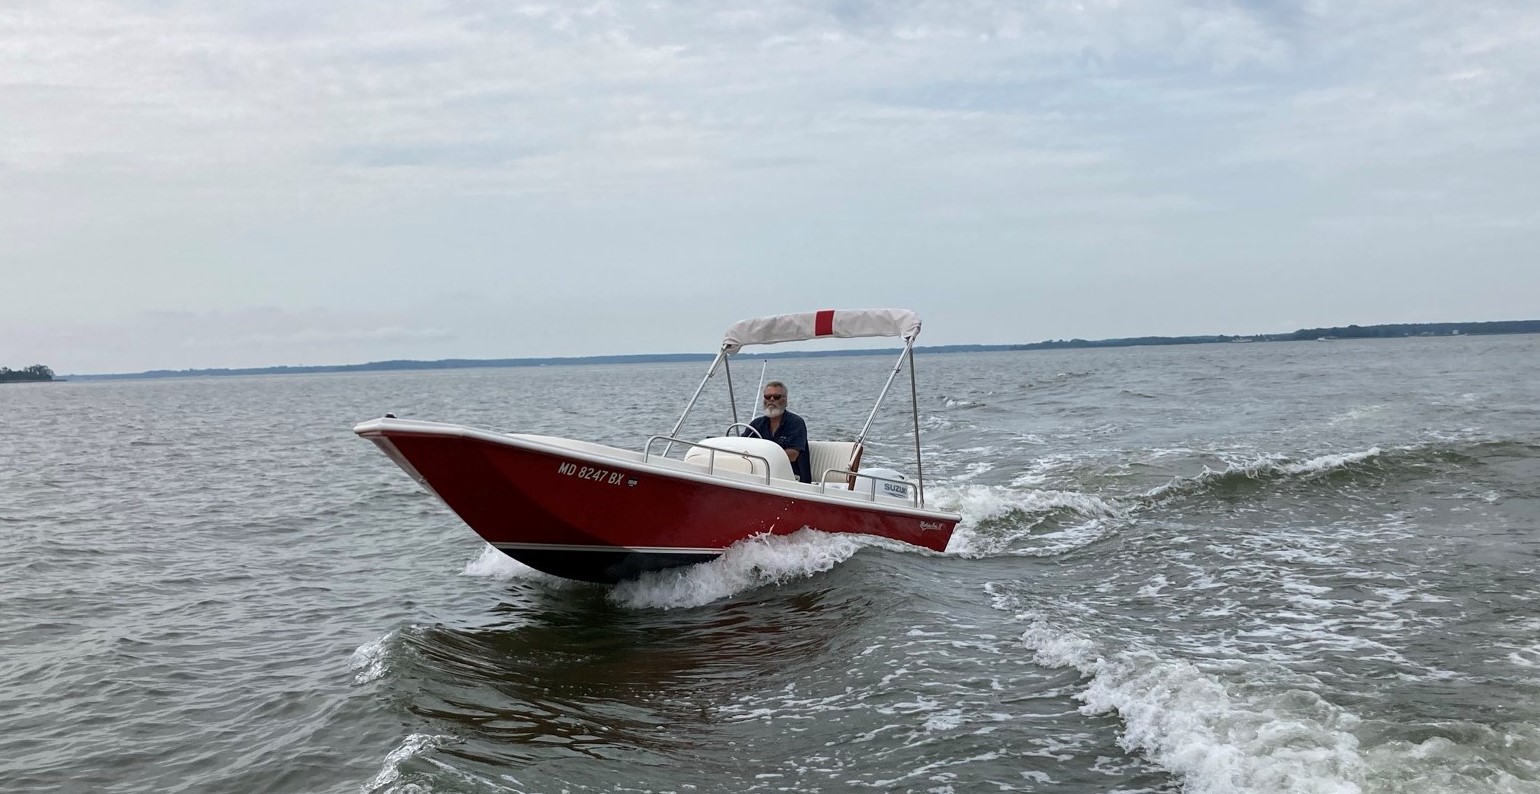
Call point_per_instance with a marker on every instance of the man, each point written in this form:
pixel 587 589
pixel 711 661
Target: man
pixel 785 428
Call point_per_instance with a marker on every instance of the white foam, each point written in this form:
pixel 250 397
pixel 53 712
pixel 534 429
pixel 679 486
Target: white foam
pixel 1440 764
pixel 759 561
pixel 1152 588
pixel 1326 463
pixel 949 720
pixel 1262 466
pixel 974 469
pixel 934 422
pixel 1031 479
pixel 1040 468
pixel 390 770
pixel 1189 722
pixel 1525 657
pixel 494 564
pixel 980 503
pixel 368 661
pixel 1352 415
pixel 1161 453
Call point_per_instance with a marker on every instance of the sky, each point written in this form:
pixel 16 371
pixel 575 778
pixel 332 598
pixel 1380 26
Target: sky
pixel 257 183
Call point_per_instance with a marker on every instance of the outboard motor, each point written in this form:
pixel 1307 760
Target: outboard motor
pixel 884 487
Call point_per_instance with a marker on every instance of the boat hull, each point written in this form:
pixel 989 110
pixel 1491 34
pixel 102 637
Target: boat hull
pixel 580 514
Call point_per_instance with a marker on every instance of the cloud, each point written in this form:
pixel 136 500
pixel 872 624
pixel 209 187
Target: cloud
pixel 368 159
pixel 178 91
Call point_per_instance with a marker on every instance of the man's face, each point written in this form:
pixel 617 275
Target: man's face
pixel 775 402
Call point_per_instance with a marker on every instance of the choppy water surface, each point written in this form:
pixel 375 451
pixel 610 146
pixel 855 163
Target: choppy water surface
pixel 1232 568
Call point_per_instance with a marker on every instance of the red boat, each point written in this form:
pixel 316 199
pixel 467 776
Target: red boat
pixel 598 513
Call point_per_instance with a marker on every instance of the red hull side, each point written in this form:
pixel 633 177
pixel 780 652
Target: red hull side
pixel 514 496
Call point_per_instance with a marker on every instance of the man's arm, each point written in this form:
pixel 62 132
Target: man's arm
pixel 796 440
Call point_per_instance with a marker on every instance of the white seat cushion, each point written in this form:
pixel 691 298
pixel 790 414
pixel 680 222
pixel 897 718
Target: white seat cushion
pixel 762 452
pixel 825 455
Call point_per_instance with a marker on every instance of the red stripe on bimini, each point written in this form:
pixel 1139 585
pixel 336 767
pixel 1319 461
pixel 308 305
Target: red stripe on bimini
pixel 823 324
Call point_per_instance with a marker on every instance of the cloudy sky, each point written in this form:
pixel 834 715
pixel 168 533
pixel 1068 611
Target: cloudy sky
pixel 252 183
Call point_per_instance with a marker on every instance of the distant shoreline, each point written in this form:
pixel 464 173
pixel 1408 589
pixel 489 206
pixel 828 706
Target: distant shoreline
pixel 37 373
pixel 1388 331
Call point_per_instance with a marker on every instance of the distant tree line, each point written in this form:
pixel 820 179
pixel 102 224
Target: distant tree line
pixel 1414 329
pixel 40 372
pixel 1304 334
pixel 34 372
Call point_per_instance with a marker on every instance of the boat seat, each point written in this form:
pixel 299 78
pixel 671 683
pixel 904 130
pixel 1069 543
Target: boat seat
pixel 825 455
pixel 780 465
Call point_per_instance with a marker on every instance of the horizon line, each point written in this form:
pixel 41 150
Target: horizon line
pixel 1383 330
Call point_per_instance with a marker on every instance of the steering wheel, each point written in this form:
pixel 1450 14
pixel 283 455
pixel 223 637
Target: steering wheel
pixel 747 427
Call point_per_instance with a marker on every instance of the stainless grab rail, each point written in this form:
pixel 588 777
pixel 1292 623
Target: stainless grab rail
pixel 711 460
pixel 914 494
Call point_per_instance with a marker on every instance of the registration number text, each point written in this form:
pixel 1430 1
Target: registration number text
pixel 591 473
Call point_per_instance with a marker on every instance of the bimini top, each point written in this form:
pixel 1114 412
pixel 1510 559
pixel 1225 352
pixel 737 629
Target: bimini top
pixel 826 323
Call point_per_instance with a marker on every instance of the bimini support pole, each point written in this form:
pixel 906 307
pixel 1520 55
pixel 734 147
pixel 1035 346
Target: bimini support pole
pixel 732 399
pixel 758 390
pixel 721 355
pixel 905 353
pixel 914 405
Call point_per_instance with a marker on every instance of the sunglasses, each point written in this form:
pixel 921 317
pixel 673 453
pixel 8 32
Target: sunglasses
pixel 769 397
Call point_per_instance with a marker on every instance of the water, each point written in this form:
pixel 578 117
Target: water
pixel 1297 567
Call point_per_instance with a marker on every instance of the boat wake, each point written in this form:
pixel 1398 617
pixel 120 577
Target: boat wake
pixel 757 562
pixel 1021 520
pixel 416 746
pixel 1251 727
pixel 1217 737
pixel 493 564
pixel 1242 475
pixel 372 659
pixel 750 564
pixel 998 519
pixel 1407 463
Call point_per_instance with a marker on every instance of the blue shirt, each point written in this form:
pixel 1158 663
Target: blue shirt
pixel 792 434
